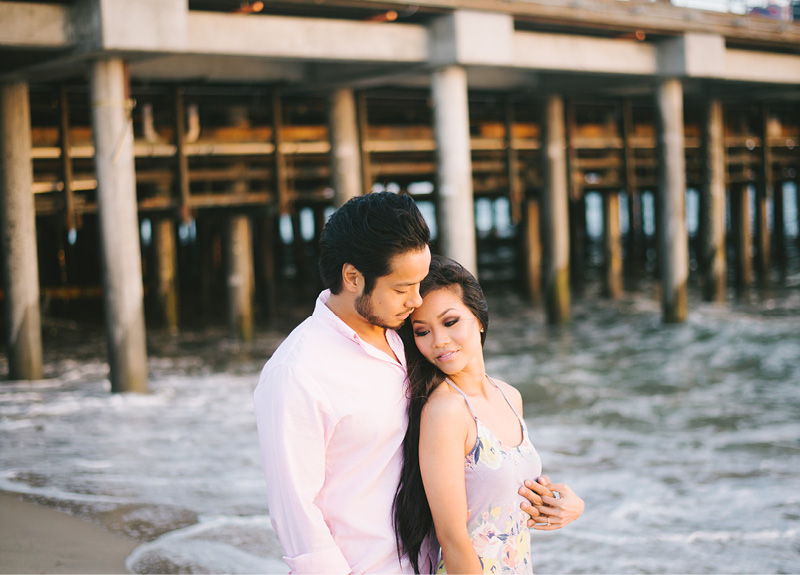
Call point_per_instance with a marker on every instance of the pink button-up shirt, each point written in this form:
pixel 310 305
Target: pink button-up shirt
pixel 331 415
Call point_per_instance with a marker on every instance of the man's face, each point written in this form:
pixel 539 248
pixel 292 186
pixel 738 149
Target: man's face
pixel 396 295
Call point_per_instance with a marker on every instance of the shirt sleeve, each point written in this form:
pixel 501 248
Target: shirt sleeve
pixel 294 424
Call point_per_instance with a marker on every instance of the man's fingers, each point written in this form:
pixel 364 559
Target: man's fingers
pixel 552 501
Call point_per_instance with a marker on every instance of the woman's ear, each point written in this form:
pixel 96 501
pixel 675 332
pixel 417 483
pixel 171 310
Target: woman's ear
pixel 352 280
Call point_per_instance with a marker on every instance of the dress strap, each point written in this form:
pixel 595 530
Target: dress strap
pixel 511 405
pixel 464 395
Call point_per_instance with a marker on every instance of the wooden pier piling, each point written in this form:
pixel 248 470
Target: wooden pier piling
pixel 166 273
pixel 612 247
pixel 779 230
pixel 533 251
pixel 740 226
pixel 23 327
pixel 240 277
pixel 712 206
pixel 764 194
pixel 635 237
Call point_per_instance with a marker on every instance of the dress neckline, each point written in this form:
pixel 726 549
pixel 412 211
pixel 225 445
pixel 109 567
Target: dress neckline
pixel 523 428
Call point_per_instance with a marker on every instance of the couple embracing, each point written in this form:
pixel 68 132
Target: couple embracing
pixel 386 446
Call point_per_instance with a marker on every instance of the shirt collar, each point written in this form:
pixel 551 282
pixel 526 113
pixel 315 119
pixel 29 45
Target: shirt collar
pixel 324 313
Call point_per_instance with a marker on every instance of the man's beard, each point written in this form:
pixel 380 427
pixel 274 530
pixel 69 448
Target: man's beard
pixel 365 310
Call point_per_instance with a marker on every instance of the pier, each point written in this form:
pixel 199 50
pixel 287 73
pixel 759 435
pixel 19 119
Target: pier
pixel 176 159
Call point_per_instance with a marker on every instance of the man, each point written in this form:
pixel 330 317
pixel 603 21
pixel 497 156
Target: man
pixel 331 405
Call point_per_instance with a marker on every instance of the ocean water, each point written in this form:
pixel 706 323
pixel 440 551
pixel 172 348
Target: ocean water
pixel 683 440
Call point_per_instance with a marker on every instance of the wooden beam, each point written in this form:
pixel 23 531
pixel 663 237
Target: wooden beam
pixel 363 130
pixel 182 162
pixel 763 197
pixel 635 235
pixel 516 189
pixel 278 158
pixel 67 177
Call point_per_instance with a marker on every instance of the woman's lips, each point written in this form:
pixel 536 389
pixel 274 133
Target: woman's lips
pixel 445 356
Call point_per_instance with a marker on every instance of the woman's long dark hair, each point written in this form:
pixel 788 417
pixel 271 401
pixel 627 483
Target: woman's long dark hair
pixel 412 514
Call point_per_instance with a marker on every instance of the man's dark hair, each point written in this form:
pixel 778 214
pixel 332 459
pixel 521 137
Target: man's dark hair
pixel 367 232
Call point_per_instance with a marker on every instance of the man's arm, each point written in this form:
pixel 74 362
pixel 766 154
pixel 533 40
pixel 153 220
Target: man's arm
pixel 293 422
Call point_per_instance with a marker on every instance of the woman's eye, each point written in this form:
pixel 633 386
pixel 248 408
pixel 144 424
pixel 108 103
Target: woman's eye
pixel 451 322
pixel 420 333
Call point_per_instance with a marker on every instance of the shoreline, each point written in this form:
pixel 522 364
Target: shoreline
pixel 38 539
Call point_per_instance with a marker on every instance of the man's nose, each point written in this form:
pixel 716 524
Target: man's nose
pixel 414 300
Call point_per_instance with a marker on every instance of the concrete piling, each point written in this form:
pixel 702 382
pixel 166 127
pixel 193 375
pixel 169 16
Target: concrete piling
pixel 345 146
pixel 18 229
pixel 712 206
pixel 454 166
pixel 673 245
pixel 119 230
pixel 555 219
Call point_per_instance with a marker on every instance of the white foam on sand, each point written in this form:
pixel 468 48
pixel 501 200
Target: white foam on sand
pixel 215 545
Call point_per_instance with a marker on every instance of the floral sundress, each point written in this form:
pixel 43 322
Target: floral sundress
pixel 494 473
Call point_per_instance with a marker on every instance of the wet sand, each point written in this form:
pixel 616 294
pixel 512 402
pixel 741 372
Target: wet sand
pixel 36 539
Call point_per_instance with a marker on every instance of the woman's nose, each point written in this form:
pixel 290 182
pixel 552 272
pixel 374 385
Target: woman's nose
pixel 440 338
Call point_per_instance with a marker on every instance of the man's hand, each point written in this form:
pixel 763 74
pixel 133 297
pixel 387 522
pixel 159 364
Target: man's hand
pixel 550 505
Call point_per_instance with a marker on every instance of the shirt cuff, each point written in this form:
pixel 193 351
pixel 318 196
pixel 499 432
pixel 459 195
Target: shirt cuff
pixel 327 561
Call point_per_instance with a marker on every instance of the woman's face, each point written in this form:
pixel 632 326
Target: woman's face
pixel 447 333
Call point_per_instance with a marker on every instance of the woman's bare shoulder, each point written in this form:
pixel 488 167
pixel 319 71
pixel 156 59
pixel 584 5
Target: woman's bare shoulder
pixel 445 404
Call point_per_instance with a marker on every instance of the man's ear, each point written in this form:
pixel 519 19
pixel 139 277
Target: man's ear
pixel 352 280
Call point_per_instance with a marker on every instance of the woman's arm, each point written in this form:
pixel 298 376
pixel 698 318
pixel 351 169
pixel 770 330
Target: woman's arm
pixel 443 434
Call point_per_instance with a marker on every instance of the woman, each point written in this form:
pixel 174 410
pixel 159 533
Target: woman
pixel 467 450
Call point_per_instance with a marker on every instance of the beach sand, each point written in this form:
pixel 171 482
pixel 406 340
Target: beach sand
pixel 36 539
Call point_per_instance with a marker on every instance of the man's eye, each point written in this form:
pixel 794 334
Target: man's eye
pixel 401 292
